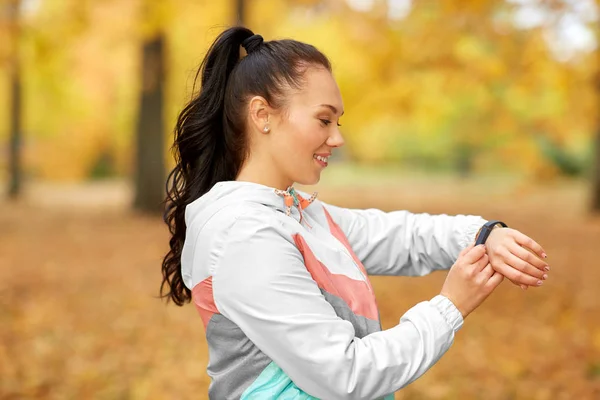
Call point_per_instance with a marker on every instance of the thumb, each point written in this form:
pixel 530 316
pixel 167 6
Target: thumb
pixel 467 249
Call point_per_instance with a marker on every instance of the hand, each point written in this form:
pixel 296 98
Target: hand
pixel 470 280
pixel 508 252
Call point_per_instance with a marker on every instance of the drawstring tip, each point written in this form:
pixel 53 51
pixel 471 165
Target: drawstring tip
pixel 291 198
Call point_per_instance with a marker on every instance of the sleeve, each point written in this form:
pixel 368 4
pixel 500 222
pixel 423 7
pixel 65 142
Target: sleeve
pixel 403 243
pixel 262 285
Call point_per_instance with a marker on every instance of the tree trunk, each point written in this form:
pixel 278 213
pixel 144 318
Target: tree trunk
pixel 464 159
pixel 14 164
pixel 240 8
pixel 596 163
pixel 150 165
pixel 596 174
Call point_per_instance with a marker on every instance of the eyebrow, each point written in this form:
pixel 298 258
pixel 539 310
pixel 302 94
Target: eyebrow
pixel 332 108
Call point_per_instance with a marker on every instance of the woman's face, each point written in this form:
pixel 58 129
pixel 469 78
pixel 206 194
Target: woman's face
pixel 304 134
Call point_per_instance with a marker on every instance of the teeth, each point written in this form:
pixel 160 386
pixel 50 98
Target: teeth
pixel 324 159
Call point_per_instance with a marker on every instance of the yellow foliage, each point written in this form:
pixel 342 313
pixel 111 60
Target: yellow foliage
pixel 448 74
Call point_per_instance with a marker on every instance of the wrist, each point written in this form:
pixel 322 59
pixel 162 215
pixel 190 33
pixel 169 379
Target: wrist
pixel 485 231
pixel 449 311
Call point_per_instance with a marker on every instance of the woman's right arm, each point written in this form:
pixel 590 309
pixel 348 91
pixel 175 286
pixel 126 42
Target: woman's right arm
pixel 261 284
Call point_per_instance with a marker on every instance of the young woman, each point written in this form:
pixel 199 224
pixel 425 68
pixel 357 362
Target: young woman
pixel 280 278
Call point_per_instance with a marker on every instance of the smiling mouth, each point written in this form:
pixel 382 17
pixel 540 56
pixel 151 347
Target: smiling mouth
pixel 321 158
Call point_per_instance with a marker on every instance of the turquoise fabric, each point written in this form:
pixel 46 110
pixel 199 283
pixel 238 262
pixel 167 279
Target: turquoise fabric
pixel 273 383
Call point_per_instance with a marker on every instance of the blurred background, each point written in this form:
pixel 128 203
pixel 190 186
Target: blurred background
pixel 482 107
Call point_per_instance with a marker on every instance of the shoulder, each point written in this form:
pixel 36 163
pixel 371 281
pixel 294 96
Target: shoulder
pixel 242 230
pixel 244 221
pixel 329 215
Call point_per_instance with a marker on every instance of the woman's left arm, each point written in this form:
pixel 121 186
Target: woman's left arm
pixel 403 243
pixel 408 244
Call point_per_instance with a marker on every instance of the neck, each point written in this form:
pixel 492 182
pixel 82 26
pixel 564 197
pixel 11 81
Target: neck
pixel 257 171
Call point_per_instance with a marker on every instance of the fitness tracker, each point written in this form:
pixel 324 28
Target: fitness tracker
pixel 485 231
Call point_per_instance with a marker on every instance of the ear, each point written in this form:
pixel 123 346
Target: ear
pixel 259 111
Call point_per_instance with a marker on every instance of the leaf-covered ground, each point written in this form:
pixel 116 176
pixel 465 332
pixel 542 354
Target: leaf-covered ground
pixel 80 319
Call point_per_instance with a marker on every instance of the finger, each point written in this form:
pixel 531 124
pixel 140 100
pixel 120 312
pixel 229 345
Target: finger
pixel 466 250
pixel 530 257
pixel 524 287
pixel 516 276
pixel 480 265
pixel 475 254
pixel 528 242
pixel 487 272
pixel 524 266
pixel 495 280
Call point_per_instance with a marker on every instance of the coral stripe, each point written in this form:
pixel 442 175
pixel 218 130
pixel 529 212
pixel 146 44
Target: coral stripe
pixel 337 232
pixel 202 294
pixel 357 294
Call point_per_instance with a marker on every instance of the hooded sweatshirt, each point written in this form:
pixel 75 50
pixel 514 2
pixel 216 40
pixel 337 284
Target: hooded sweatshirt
pixel 282 289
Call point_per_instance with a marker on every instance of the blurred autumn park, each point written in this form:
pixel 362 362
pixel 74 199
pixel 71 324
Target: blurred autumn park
pixel 474 107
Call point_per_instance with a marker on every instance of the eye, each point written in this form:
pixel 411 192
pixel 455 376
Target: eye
pixel 326 122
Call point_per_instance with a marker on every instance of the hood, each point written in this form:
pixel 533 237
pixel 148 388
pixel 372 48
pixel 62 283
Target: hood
pixel 222 194
pixel 227 192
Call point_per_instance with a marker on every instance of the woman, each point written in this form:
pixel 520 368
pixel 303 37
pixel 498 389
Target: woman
pixel 280 278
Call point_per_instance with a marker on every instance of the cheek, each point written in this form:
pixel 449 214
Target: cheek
pixel 289 141
pixel 301 136
pixel 307 135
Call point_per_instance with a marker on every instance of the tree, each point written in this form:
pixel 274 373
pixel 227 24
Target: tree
pixel 596 176
pixel 150 166
pixel 596 164
pixel 15 167
pixel 240 12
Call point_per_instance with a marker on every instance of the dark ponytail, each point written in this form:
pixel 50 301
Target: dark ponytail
pixel 210 143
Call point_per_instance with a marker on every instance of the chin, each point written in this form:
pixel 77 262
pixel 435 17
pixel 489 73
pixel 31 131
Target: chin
pixel 308 181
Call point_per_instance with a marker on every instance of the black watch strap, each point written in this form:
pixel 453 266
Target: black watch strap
pixel 485 231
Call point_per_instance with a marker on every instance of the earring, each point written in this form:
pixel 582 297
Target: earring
pixel 266 128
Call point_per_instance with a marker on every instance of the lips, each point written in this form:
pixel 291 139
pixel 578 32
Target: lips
pixel 321 159
pixel 324 159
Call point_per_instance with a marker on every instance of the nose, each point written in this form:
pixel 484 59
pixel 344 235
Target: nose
pixel 336 139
